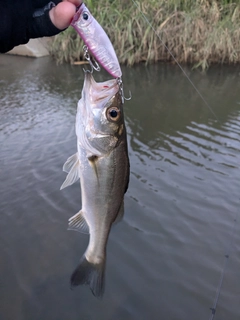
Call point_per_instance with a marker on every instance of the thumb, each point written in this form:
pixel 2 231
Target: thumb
pixel 61 15
pixel 40 24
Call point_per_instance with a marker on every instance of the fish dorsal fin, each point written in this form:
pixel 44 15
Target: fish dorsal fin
pixel 72 167
pixel 78 223
pixel 120 214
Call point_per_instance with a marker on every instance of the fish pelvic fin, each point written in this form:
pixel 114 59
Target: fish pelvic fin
pixel 72 167
pixel 78 223
pixel 91 274
pixel 70 162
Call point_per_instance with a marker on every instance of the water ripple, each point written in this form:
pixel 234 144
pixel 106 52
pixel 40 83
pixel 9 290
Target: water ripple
pixel 183 196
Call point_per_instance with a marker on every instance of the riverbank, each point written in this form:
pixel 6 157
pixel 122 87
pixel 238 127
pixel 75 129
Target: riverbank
pixel 198 32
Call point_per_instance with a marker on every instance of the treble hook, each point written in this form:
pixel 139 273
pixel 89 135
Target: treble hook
pixel 93 63
pixel 120 83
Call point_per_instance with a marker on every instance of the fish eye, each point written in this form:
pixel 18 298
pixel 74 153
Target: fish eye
pixel 113 114
pixel 85 16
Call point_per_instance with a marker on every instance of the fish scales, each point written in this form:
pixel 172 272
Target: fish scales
pixel 102 164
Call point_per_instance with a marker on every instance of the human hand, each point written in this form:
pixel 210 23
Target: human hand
pixel 61 15
pixel 21 20
pixel 52 18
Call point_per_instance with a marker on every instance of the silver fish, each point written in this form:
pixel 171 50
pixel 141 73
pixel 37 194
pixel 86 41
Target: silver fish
pixel 102 165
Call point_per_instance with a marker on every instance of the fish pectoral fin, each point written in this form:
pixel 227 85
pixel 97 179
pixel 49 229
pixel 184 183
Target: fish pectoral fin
pixel 72 166
pixel 120 214
pixel 71 161
pixel 78 223
pixel 93 162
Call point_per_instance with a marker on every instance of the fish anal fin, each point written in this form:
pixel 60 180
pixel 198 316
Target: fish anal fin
pixel 78 223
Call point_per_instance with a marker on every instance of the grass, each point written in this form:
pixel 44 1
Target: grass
pixel 199 32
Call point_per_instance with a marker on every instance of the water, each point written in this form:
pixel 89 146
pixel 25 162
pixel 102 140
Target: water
pixel 165 259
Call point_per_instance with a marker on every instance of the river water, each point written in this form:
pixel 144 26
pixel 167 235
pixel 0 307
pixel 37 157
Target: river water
pixel 176 253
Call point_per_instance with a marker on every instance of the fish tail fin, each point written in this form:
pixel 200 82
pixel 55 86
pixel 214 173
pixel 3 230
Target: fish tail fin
pixel 90 274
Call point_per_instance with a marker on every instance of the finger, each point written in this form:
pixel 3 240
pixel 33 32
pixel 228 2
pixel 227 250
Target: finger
pixel 40 24
pixel 75 2
pixel 61 15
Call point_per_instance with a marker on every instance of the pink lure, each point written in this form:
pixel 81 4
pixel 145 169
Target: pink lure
pixel 96 40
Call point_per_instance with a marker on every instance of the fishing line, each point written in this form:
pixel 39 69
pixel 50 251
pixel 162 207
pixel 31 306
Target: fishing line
pixel 227 256
pixel 171 54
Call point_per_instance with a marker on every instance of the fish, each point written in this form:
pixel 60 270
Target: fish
pixel 102 164
pixel 96 40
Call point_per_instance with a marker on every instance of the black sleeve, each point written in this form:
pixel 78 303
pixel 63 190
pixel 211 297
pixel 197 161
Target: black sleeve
pixel 40 24
pixel 41 3
pixel 21 20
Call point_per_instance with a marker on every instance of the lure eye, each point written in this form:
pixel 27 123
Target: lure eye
pixel 113 114
pixel 85 16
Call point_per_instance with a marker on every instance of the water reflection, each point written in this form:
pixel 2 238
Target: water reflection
pixel 165 258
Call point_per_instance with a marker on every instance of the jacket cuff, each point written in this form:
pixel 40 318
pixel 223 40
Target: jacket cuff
pixel 40 25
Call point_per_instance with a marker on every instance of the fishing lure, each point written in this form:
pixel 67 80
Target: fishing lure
pixel 97 42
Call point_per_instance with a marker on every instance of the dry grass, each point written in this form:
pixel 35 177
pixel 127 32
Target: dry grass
pixel 199 32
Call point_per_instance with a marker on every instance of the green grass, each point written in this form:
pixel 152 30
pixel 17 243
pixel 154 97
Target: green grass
pixel 199 32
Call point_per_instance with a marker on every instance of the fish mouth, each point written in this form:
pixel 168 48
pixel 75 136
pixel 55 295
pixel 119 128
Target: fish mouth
pixel 96 92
